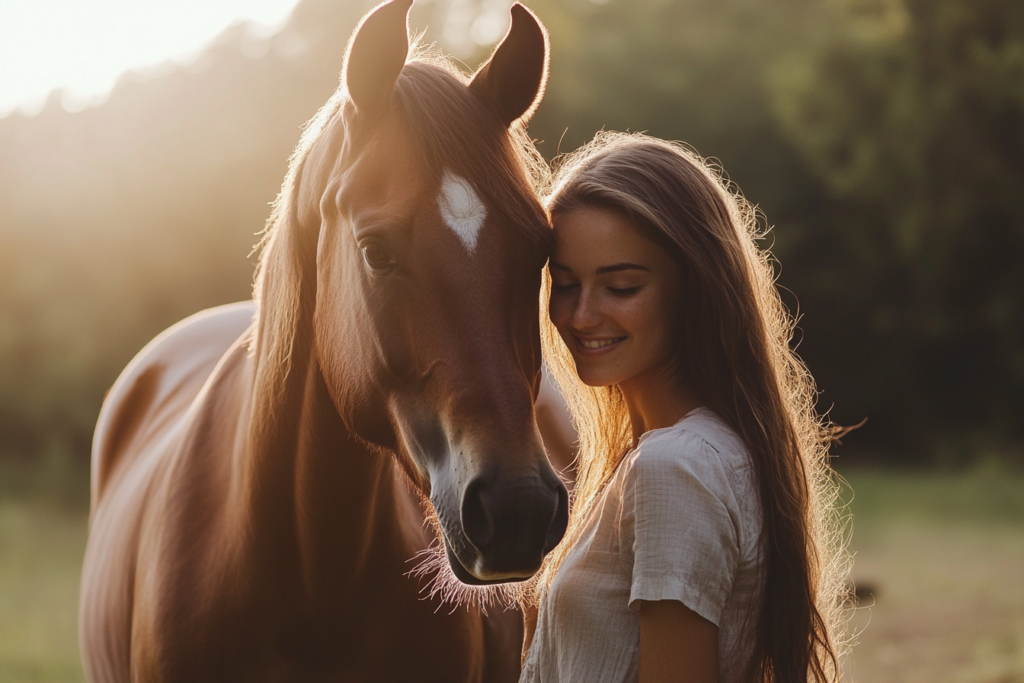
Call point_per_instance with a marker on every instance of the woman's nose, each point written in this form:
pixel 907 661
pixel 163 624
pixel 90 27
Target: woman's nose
pixel 585 314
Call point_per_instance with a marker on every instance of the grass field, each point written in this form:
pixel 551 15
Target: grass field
pixel 43 515
pixel 943 555
pixel 40 557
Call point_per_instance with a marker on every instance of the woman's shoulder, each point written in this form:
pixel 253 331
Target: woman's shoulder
pixel 699 468
pixel 700 440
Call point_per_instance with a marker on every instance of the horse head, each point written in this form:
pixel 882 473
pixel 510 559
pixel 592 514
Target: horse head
pixel 412 189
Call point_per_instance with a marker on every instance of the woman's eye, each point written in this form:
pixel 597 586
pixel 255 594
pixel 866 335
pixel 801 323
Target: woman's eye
pixel 625 291
pixel 376 256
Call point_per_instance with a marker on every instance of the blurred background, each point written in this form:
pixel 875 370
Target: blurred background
pixel 882 139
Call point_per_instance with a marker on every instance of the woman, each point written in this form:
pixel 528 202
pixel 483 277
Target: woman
pixel 699 543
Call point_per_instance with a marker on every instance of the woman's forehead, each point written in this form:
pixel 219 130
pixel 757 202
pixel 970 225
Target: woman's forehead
pixel 592 239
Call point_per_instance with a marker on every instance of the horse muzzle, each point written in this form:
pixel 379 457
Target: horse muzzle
pixel 507 527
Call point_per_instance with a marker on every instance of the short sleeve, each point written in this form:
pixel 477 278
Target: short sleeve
pixel 679 516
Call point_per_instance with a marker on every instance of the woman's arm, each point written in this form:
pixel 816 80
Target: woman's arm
pixel 677 645
pixel 529 628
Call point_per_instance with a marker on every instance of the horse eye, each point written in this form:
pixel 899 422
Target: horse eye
pixel 376 256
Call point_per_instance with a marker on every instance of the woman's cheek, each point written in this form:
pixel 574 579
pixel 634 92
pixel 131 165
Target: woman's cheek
pixel 556 311
pixel 633 313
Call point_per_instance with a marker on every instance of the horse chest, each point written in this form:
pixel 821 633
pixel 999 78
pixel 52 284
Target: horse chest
pixel 371 646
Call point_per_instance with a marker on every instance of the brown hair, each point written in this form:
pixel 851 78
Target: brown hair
pixel 735 354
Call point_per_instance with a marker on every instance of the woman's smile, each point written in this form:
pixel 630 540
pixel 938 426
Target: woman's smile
pixel 596 346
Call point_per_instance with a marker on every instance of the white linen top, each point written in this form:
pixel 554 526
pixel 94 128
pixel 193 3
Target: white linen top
pixel 679 520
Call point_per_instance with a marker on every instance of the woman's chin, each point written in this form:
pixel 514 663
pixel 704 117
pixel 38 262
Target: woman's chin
pixel 595 378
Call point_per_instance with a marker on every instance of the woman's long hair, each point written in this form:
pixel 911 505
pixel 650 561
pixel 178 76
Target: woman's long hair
pixel 735 353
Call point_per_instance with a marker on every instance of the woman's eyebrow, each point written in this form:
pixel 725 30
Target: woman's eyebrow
pixel 616 267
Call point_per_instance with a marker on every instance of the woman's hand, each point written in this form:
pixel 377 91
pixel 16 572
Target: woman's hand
pixel 677 645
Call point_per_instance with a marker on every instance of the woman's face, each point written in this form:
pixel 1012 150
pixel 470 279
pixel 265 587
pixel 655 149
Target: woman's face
pixel 615 297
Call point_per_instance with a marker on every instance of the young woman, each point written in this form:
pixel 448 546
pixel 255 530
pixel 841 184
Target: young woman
pixel 701 544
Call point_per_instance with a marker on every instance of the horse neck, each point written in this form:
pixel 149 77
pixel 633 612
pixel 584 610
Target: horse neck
pixel 322 497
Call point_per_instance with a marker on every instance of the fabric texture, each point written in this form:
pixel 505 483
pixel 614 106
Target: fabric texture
pixel 680 520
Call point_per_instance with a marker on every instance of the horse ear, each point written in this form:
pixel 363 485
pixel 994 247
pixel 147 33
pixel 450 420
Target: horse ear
pixel 376 54
pixel 512 80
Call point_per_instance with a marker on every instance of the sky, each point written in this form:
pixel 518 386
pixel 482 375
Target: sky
pixel 84 45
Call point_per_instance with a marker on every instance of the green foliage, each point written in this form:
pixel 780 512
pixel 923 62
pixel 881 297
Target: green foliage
pixel 911 113
pixel 695 71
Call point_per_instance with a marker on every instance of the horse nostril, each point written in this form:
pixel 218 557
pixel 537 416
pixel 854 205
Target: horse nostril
pixel 477 523
pixel 559 521
pixel 514 524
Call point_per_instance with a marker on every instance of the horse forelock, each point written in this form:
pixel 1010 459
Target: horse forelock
pixel 455 133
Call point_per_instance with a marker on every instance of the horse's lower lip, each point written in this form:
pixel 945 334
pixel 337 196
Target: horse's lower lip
pixel 468 578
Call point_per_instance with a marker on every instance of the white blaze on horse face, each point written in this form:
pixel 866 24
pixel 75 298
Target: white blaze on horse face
pixel 461 209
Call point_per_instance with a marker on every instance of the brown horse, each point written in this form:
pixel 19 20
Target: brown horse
pixel 260 471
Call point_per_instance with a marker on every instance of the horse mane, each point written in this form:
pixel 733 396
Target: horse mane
pixel 452 129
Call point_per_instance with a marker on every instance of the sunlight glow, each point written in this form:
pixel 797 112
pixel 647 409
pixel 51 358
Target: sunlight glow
pixel 471 24
pixel 83 46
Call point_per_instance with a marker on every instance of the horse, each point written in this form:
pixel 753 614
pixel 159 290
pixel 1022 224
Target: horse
pixel 262 472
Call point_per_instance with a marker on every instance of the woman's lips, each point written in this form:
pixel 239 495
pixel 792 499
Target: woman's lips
pixel 593 347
